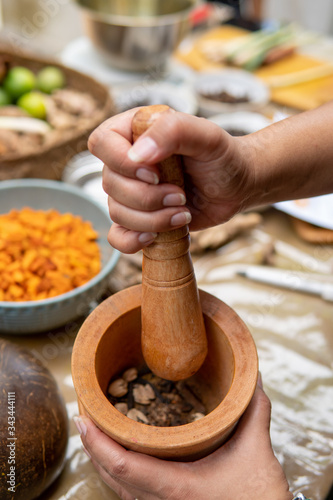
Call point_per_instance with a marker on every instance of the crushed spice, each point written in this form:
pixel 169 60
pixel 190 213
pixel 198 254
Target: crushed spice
pixel 149 399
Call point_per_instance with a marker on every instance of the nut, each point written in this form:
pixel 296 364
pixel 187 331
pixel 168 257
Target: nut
pixel 118 388
pixel 196 416
pixel 137 415
pixel 130 374
pixel 143 394
pixel 122 407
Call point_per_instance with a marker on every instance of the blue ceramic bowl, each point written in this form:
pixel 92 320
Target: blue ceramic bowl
pixel 43 315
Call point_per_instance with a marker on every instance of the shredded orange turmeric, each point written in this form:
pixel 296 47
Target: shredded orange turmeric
pixel 45 253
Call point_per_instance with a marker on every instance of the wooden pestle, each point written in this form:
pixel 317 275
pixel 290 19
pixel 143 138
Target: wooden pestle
pixel 173 337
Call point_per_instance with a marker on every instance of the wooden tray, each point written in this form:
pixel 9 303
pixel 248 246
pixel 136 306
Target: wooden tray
pixel 312 234
pixel 302 96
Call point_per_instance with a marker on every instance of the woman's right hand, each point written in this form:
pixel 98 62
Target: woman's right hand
pixel 217 177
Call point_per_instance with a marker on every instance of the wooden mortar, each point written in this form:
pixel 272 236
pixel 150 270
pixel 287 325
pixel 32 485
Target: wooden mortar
pixel 109 342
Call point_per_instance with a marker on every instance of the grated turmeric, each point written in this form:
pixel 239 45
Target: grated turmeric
pixel 45 253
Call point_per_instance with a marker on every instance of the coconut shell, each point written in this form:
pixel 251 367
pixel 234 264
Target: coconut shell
pixel 33 425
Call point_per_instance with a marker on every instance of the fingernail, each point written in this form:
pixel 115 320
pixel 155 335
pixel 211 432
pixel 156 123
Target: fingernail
pixel 147 176
pixel 147 238
pixel 181 219
pixel 142 150
pixel 80 425
pixel 173 200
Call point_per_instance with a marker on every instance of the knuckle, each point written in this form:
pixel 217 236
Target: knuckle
pixel 148 199
pixel 110 239
pixel 98 134
pixel 265 401
pixel 124 241
pixel 122 167
pixel 107 183
pixel 155 225
pixel 114 213
pixel 159 223
pixel 119 467
pixel 93 140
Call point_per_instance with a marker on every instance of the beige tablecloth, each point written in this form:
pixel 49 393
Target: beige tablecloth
pixel 292 331
pixel 293 334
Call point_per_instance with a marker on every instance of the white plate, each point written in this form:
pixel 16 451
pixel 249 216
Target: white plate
pixel 317 210
pixel 178 96
pixel 246 121
pixel 235 82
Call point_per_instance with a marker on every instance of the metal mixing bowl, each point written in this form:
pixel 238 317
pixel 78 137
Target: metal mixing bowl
pixel 136 35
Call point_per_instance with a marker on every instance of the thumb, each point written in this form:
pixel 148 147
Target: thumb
pixel 186 135
pixel 256 419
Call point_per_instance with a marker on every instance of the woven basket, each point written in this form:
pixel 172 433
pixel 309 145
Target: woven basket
pixel 49 160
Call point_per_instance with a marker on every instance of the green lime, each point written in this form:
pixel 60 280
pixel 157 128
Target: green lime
pixel 5 98
pixel 34 104
pixel 18 81
pixel 49 79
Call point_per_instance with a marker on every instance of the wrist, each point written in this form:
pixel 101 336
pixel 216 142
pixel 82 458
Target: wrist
pixel 291 159
pixel 255 190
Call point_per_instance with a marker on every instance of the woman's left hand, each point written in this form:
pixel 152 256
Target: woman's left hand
pixel 245 467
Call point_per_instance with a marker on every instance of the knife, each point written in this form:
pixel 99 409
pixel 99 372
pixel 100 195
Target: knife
pixel 292 280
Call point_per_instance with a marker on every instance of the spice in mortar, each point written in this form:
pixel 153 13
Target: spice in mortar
pixel 149 399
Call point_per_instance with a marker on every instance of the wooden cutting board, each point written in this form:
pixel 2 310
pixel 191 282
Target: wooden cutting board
pixel 303 96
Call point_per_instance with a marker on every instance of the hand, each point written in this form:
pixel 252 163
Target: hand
pixel 288 160
pixel 244 468
pixel 216 176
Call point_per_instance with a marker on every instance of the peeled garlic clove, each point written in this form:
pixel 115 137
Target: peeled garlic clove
pixel 118 388
pixel 137 415
pixel 143 394
pixel 130 374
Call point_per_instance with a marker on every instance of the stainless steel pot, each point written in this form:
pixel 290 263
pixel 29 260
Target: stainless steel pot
pixel 136 35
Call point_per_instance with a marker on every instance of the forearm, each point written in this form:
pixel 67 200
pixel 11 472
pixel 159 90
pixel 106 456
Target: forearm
pixel 224 175
pixel 293 158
